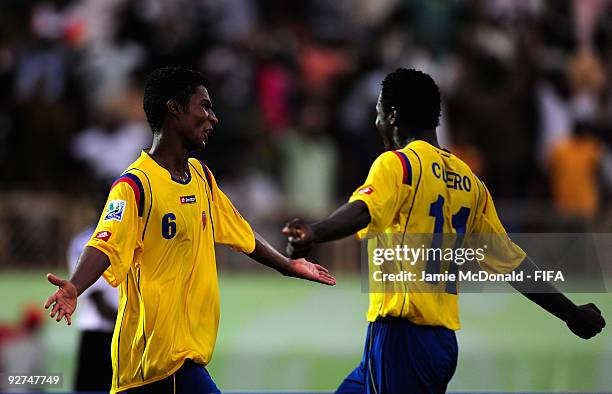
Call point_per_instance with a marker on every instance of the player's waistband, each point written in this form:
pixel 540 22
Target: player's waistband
pixel 393 321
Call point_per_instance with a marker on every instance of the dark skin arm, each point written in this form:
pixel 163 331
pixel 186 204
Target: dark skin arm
pixel 265 254
pixel 585 321
pixel 92 264
pixel 346 220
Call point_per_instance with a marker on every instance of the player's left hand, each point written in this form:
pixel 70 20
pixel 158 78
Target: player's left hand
pixel 302 268
pixel 64 300
pixel 300 238
pixel 586 321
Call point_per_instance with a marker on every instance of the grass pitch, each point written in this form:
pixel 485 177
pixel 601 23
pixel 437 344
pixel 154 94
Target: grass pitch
pixel 281 334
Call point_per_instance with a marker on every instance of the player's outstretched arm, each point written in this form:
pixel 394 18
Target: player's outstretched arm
pixel 346 220
pixel 585 321
pixel 92 264
pixel 265 254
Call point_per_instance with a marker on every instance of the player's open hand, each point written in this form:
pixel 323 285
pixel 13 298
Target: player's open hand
pixel 302 268
pixel 299 238
pixel 64 300
pixel 586 321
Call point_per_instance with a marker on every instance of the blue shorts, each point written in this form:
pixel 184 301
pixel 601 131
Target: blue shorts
pixel 403 357
pixel 191 378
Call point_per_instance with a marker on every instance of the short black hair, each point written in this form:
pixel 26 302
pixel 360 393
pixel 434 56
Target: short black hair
pixel 416 98
pixel 165 84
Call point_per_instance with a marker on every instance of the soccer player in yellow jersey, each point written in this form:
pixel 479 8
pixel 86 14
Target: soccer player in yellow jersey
pixel 155 241
pixel 416 187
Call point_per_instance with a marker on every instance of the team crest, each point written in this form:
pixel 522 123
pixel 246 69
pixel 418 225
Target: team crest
pixel 115 210
pixel 203 220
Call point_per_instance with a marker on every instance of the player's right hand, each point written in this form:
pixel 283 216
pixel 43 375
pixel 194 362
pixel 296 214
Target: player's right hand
pixel 304 269
pixel 299 238
pixel 64 300
pixel 586 321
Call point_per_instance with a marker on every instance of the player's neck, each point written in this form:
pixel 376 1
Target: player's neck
pixel 429 136
pixel 170 154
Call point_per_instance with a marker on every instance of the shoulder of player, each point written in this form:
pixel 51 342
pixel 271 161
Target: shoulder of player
pixel 133 180
pixel 404 162
pixel 482 194
pixel 202 169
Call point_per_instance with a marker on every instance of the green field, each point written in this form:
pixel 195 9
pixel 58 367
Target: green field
pixel 279 334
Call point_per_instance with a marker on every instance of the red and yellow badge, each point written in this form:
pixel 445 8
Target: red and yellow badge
pixel 366 190
pixel 103 235
pixel 203 220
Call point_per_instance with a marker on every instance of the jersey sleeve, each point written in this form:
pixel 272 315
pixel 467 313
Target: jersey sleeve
pixel 380 192
pixel 502 254
pixel 117 232
pixel 230 228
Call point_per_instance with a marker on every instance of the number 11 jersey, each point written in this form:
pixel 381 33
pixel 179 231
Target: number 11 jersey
pixel 421 189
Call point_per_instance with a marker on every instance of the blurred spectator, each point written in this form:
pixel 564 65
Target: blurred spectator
pixel 273 90
pixel 514 77
pixel 21 346
pixel 112 145
pixel 310 163
pixel 576 165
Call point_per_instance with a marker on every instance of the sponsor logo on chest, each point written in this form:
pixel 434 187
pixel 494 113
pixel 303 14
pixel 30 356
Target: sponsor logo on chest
pixel 187 199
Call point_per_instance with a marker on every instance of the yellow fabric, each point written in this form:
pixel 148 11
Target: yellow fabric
pixel 392 203
pixel 169 295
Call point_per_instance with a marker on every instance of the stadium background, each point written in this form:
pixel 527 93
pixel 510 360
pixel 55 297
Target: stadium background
pixel 294 85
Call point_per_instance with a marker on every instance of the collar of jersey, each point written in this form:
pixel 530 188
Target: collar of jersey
pixel 164 170
pixel 428 145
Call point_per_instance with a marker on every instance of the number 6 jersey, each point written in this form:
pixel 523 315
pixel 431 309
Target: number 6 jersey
pixel 159 235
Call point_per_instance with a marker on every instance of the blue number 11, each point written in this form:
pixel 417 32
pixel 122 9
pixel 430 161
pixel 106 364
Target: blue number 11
pixel 459 223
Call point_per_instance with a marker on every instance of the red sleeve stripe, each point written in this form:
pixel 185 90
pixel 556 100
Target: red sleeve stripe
pixel 136 186
pixel 407 178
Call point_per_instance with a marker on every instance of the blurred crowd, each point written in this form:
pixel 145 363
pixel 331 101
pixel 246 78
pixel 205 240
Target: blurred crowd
pixel 526 84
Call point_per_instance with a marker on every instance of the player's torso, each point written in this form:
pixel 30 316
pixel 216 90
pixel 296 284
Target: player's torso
pixel 174 276
pixel 442 200
pixel 177 249
pixel 171 289
pixel 177 224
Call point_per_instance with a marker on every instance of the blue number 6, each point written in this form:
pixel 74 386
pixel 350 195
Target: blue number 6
pixel 168 226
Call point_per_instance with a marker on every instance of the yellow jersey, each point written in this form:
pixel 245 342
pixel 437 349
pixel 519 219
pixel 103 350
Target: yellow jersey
pixel 421 189
pixel 159 235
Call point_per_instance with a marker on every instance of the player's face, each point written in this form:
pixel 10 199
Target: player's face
pixel 382 124
pixel 198 120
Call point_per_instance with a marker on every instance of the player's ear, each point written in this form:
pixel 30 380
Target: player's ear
pixel 393 117
pixel 173 107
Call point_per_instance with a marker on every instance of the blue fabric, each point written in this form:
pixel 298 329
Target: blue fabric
pixel 403 357
pixel 191 378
